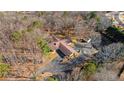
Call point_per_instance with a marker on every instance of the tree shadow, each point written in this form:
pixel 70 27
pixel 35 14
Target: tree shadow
pixel 111 35
pixel 121 71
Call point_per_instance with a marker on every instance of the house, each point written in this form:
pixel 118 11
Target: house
pixel 117 19
pixel 63 48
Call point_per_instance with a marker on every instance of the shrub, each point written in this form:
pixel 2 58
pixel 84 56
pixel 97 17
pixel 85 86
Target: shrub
pixel 30 29
pixel 25 18
pixel 16 36
pixel 92 15
pixel 37 24
pixel 46 49
pixel 89 69
pixel 65 13
pixel 52 78
pixel 43 46
pixel 1 58
pixel 97 19
pixel 40 13
pixel 4 69
pixel 23 32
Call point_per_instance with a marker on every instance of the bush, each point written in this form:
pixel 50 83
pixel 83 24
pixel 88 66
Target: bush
pixel 30 29
pixel 4 69
pixel 16 36
pixel 43 46
pixel 92 15
pixel 65 13
pixel 37 24
pixel 52 78
pixel 89 69
pixel 46 49
pixel 25 18
pixel 40 13
pixel 1 58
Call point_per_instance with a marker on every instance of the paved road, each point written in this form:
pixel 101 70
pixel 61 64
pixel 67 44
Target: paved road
pixel 56 67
